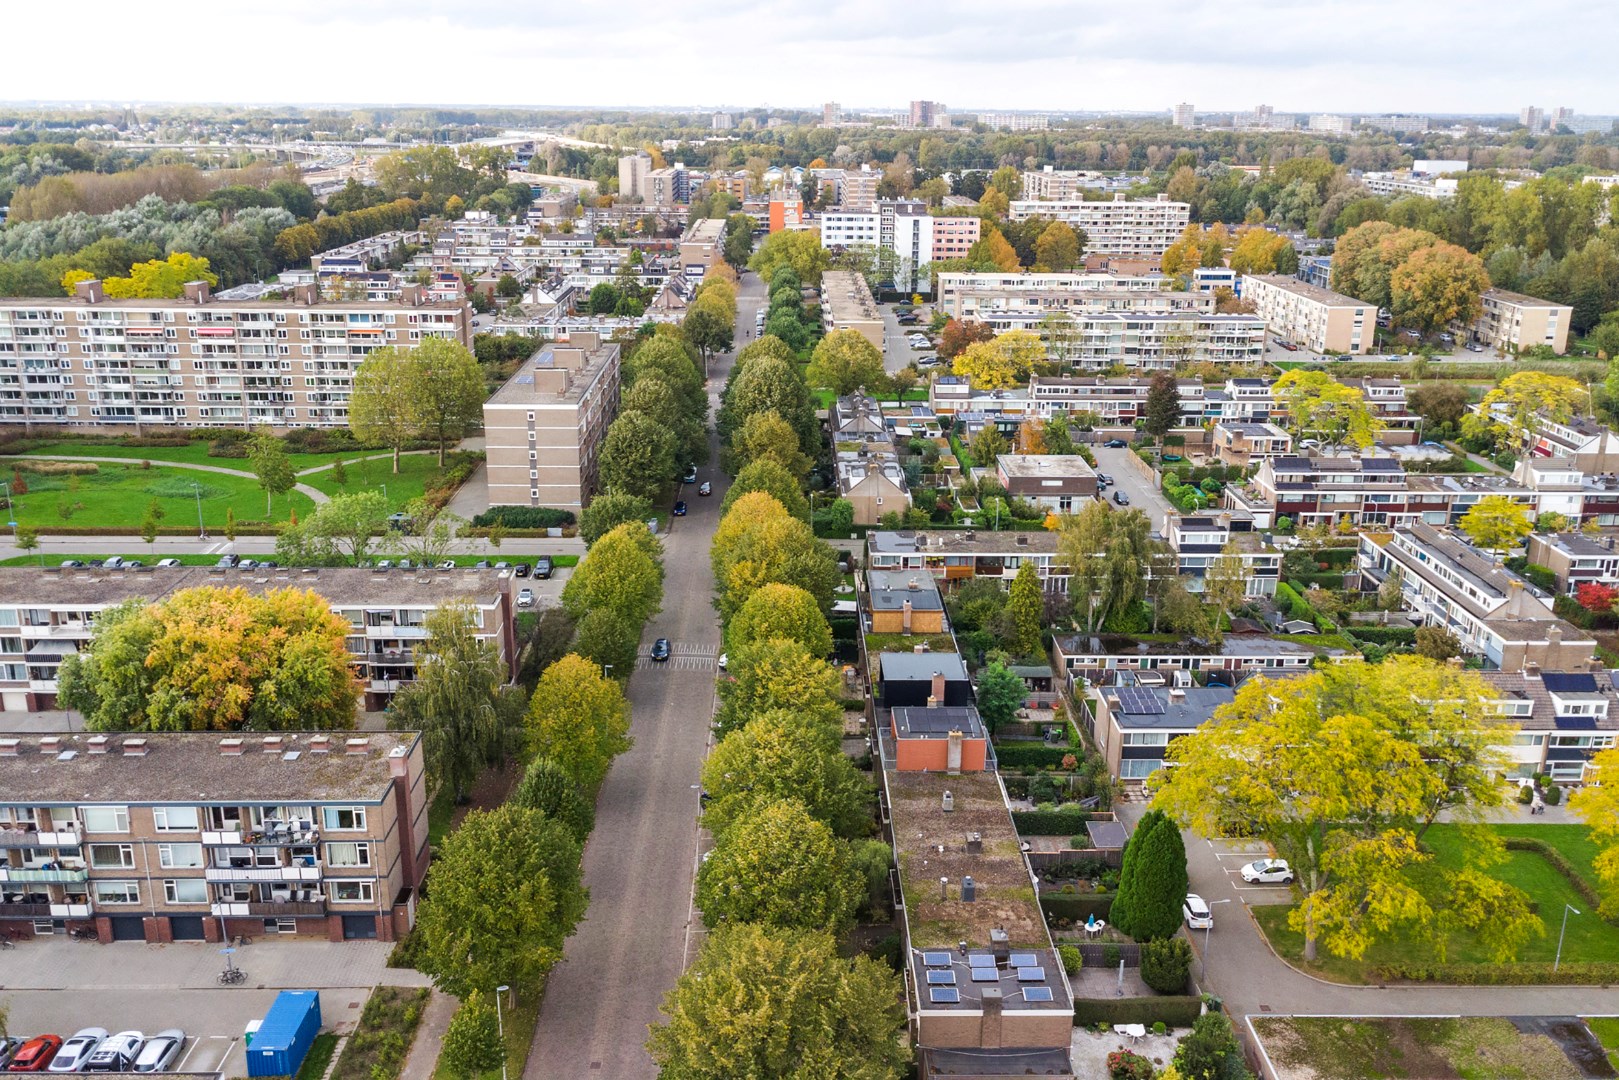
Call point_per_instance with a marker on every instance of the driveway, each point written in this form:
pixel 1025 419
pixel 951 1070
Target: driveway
pixel 897 351
pixel 1143 496
pixel 640 861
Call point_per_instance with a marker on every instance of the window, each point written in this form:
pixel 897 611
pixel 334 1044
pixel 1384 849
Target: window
pixel 186 891
pixel 116 892
pixel 175 818
pixel 112 856
pixel 346 855
pixel 351 892
pixel 1145 738
pixel 1138 768
pixel 105 819
pixel 343 818
pixel 173 856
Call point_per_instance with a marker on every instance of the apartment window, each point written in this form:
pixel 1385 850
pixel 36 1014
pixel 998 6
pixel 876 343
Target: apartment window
pixel 343 818
pixel 175 818
pixel 1138 768
pixel 348 855
pixel 351 892
pixel 116 892
pixel 105 819
pixel 112 856
pixel 186 891
pixel 1145 738
pixel 179 856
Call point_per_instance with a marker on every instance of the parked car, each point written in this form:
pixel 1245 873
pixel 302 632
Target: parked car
pixel 1115 444
pixel 680 508
pixel 385 564
pixel 35 1054
pixel 1104 478
pixel 481 564
pixel 72 564
pixel 228 561
pixel 705 488
pixel 522 569
pixel 725 660
pixel 8 1047
pixel 542 567
pixel 77 1050
pixel 525 598
pixel 1288 345
pixel 160 1052
pixel 116 1053
pixel 1473 346
pixel 1268 872
pixel 660 649
pixel 116 562
pixel 1121 498
pixel 691 475
pixel 398 519
pixel 136 564
pixel 1198 915
pixel 169 562
pixel 1447 337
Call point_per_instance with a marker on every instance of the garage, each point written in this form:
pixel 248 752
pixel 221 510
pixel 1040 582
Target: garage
pixel 359 927
pixel 128 928
pixel 186 927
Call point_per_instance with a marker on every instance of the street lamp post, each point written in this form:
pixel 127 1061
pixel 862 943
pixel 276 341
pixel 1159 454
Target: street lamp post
pixel 1566 909
pixel 607 671
pixel 500 1024
pixel 1203 966
pixel 202 531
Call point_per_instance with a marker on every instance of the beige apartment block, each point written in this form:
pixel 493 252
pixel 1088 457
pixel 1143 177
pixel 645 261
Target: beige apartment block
pixel 202 836
pixel 1511 321
pixel 87 360
pixel 544 428
pixel 1136 228
pixel 1308 315
pixel 846 304
pixel 703 244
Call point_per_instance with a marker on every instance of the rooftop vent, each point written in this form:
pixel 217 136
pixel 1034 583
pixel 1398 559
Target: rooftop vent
pixel 8 747
pixel 320 744
pixel 231 747
pixel 97 744
pixel 135 747
pixel 272 744
pixel 50 744
pixel 361 745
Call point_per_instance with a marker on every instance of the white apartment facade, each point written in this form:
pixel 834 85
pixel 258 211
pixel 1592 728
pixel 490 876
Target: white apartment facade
pixel 1510 322
pixel 1131 228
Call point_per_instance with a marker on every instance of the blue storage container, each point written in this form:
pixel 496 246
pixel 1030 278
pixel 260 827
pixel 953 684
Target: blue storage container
pixel 285 1036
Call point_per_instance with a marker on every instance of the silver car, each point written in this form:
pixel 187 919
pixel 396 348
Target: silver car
pixel 160 1052
pixel 116 1053
pixel 77 1050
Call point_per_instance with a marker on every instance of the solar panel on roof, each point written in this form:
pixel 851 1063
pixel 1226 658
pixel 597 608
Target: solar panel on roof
pixel 1141 701
pixel 1569 683
pixel 936 959
pixel 1023 960
pixel 1031 974
pixel 941 978
pixel 1037 993
pixel 981 959
pixel 986 974
pixel 944 995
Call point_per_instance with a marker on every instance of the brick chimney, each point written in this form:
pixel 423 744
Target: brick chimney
pixel 97 744
pixel 306 294
pixel 231 747
pixel 989 1030
pixel 90 291
pixel 936 697
pixel 399 770
pixel 197 292
pixel 905 616
pixel 135 747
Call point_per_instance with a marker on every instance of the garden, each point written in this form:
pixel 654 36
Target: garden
pixel 89 497
pixel 1430 1048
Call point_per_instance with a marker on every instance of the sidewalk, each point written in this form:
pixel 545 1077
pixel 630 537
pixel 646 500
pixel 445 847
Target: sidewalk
pixel 423 1057
pixel 59 963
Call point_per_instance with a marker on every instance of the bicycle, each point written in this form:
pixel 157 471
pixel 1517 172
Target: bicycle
pixel 84 933
pixel 232 976
pixel 7 943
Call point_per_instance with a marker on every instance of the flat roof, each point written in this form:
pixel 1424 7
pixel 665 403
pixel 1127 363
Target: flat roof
pixel 950 981
pixel 186 768
pixel 937 722
pixel 1175 709
pixel 965 542
pixel 1520 299
pixel 24 586
pixel 1308 291
pixel 1043 466
pixel 521 388
pixel 921 667
pixel 890 590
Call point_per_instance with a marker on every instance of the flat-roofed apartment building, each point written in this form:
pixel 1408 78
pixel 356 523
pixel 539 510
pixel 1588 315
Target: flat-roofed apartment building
pixel 1511 321
pixel 176 836
pixel 847 304
pixel 48 615
pixel 979 295
pixel 544 428
pixel 1141 228
pixel 87 360
pixel 1316 318
pixel 701 247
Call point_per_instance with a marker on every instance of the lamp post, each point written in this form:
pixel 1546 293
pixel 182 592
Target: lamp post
pixel 607 671
pixel 500 1025
pixel 202 531
pixel 1203 965
pixel 1566 909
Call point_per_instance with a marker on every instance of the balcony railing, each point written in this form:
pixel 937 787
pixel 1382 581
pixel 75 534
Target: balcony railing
pixel 261 873
pixel 18 875
pixel 34 838
pixel 285 907
pixel 25 911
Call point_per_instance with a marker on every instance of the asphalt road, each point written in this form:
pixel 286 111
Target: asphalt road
pixel 641 859
pixel 1142 495
pixel 897 352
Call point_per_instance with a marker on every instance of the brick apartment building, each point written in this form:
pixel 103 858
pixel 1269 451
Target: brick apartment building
pixel 201 362
pixel 1316 318
pixel 172 836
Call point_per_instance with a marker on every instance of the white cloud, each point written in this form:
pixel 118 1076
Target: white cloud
pixel 1332 55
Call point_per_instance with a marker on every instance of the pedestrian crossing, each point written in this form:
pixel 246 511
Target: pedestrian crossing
pixel 683 656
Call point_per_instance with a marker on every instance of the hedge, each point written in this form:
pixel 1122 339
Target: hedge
pixel 1033 756
pixel 1076 907
pixel 1173 1009
pixel 1559 862
pixel 1383 635
pixel 1050 822
pixel 1339 557
pixel 1323 579
pixel 525 517
pixel 1569 973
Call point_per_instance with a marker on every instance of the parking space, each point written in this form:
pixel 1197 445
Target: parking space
pixel 1116 463
pixel 1232 855
pixel 897 351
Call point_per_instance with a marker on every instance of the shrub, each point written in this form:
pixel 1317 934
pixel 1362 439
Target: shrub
pixel 1526 794
pixel 1110 954
pixel 1049 822
pixel 1599 973
pixel 1170 1010
pixel 1158 1028
pixel 1072 961
pixel 1031 756
pixel 1166 964
pixel 1553 795
pixel 1124 1065
pixel 1383 635
pixel 1075 909
pixel 525 517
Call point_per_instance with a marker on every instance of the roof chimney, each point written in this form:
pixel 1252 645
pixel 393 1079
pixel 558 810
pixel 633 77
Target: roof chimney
pixel 8 747
pixel 51 744
pixel 230 747
pixel 272 744
pixel 90 291
pixel 197 292
pixel 989 1033
pixel 135 747
pixel 938 687
pixel 1177 694
pixel 360 745
pixel 320 744
pixel 97 744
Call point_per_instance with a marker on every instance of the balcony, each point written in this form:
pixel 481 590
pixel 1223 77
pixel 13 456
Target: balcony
pixel 260 873
pixel 285 907
pixel 25 911
pixel 34 838
pixel 19 875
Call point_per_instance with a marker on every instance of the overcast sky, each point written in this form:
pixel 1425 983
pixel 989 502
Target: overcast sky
pixel 1483 56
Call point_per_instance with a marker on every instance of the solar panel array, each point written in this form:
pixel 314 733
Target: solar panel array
pixel 982 959
pixel 1023 960
pixel 1140 701
pixel 941 978
pixel 1037 993
pixel 944 995
pixel 936 959
pixel 1031 974
pixel 986 975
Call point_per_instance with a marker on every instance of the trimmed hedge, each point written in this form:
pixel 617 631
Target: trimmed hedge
pixel 1383 635
pixel 1050 822
pixel 1323 579
pixel 1572 974
pixel 1172 1009
pixel 1033 756
pixel 525 517
pixel 1559 862
pixel 1076 907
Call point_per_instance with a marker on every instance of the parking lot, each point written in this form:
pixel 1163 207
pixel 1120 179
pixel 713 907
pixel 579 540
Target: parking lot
pixel 1115 462
pixel 897 351
pixel 1232 855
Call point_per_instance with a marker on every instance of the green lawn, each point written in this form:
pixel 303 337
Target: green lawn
pixel 520 1020
pixel 193 453
pixel 1420 1048
pixel 319 1056
pixel 376 474
pixel 1589 938
pixel 1606 1029
pixel 118 495
pixel 46 557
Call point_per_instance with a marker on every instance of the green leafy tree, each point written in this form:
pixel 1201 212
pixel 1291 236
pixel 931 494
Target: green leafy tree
pixel 1512 411
pixel 502 896
pixel 26 538
pixel 446 391
pixel 609 639
pixel 769 384
pixel 547 787
pixel 1059 247
pixel 654 396
pixel 1153 880
pixel 781 867
pixel 1437 285
pixel 149 527
pixel 710 324
pixel 782 755
pixel 608 511
pixel 340 473
pixel 637 456
pixel 774 1004
pixel 578 717
pixel 1319 405
pixel 770 476
pixel 1166 962
pixel 345 527
pixel 1163 406
pixel 765 436
pixel 382 403
pixel 757 543
pixel 1202 1053
pixel 622 572
pixel 215 659
pixel 1026 605
pixel 780 611
pixel 469 718
pixel 779 674
pixel 1000 694
pixel 272 466
pixel 799 251
pixel 472 1043
pixel 1106 550
pixel 844 361
pixel 431 532
pixel 1496 523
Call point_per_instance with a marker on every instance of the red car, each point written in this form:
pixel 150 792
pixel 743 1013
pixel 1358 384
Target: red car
pixel 35 1054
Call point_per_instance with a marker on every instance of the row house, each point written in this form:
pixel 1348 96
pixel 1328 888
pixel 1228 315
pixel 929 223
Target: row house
pixel 1200 541
pixel 960 294
pixel 1136 228
pixel 196 362
pixel 1239 443
pixel 1575 560
pixel 1561 719
pixel 1134 725
pixel 176 836
pixel 1058 483
pixel 49 615
pixel 1493 613
pixel 1325 491
pixel 953 557
pixel 1106 660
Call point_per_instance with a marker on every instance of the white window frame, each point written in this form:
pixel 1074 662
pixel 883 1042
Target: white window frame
pixel 365 886
pixel 171 890
pixel 161 815
pixel 128 892
pixel 166 856
pixel 120 818
pixel 330 815
pixel 338 854
pixel 126 860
